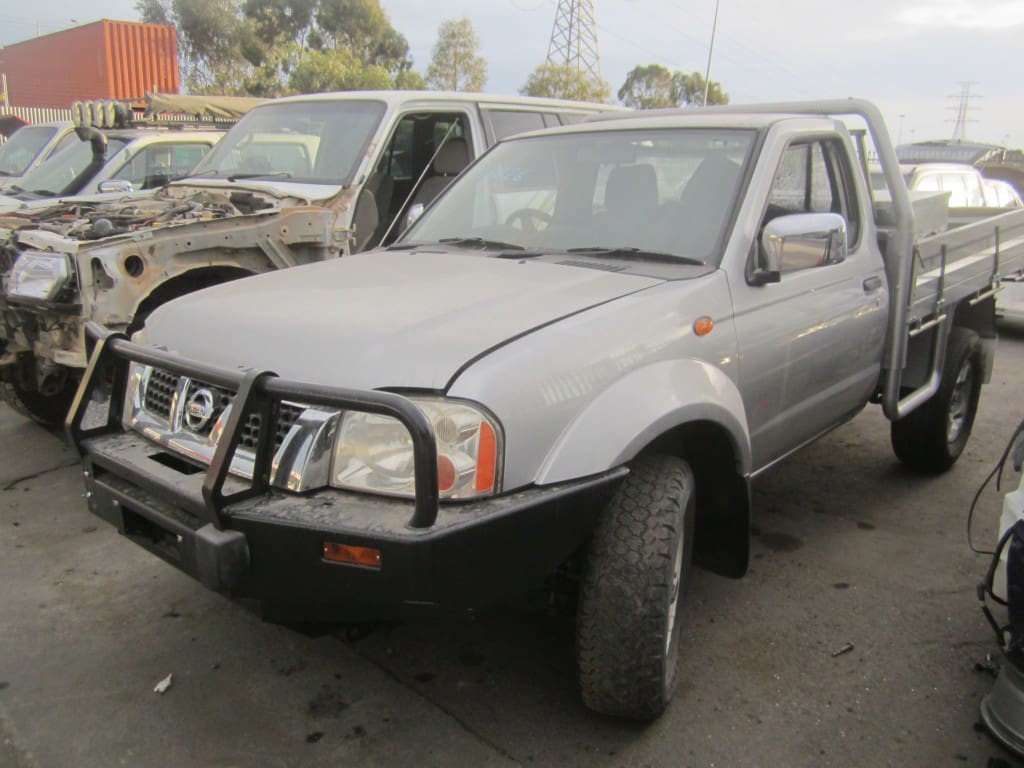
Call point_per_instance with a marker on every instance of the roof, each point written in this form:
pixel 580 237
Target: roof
pixel 397 98
pixel 672 118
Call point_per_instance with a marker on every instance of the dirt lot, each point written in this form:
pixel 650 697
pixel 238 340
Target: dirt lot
pixel 849 549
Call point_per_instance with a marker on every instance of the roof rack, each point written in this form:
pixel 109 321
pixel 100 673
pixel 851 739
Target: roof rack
pixel 168 110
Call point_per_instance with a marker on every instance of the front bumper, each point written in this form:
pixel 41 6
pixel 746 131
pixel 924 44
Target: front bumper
pixel 270 547
pixel 249 540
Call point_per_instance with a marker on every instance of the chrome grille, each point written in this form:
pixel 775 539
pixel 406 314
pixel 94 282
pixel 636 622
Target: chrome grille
pixel 186 415
pixel 160 390
pixel 287 415
pixel 158 400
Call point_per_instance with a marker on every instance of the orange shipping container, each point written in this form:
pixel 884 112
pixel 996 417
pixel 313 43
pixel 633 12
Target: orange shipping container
pixel 103 60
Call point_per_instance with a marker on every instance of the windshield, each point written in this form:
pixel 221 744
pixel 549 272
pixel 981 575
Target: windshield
pixel 53 177
pixel 316 142
pixel 664 191
pixel 22 148
pixel 58 173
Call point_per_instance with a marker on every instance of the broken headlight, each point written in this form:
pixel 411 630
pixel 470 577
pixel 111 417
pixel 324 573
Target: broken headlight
pixel 39 275
pixel 374 453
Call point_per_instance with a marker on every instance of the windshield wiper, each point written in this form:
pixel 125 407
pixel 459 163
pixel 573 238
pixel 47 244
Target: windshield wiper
pixel 479 242
pixel 640 253
pixel 274 175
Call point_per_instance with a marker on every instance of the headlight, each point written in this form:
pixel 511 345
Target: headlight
pixel 39 275
pixel 374 453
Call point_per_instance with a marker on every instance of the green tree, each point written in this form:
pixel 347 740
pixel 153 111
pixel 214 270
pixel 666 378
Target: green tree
pixel 364 28
pixel 649 87
pixel 690 90
pixel 275 47
pixel 210 34
pixel 655 86
pixel 336 70
pixel 455 64
pixel 562 81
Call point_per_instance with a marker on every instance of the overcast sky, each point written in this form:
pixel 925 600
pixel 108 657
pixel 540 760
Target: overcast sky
pixel 909 56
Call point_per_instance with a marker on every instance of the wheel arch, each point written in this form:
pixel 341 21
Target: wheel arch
pixel 722 532
pixel 686 408
pixel 980 318
pixel 180 284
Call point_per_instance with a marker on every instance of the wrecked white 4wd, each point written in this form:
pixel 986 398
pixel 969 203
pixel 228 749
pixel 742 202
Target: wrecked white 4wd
pixel 296 180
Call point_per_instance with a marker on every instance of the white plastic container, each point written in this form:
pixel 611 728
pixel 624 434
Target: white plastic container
pixel 1013 510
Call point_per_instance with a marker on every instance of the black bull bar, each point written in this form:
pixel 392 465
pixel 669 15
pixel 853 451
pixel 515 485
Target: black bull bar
pixel 257 392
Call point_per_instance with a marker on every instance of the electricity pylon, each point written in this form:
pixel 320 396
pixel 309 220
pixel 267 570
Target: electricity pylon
pixel 962 110
pixel 574 38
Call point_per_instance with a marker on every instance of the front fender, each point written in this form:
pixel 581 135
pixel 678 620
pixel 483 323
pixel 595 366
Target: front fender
pixel 641 406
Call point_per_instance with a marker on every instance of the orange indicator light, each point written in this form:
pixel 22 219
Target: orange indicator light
pixel 702 326
pixel 486 458
pixel 368 557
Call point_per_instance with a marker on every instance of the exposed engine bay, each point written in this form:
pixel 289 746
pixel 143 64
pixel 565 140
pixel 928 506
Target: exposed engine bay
pixel 116 261
pixel 83 220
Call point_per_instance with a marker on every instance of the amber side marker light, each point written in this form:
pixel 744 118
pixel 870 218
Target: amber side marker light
pixel 367 557
pixel 487 458
pixel 702 326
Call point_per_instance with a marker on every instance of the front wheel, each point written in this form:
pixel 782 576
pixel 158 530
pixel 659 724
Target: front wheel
pixel 637 566
pixel 49 409
pixel 931 438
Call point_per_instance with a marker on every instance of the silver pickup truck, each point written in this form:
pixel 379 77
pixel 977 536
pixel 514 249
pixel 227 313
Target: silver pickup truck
pixel 578 358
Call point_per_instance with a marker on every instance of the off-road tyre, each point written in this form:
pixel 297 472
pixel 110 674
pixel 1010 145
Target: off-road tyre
pixel 634 578
pixel 930 439
pixel 50 410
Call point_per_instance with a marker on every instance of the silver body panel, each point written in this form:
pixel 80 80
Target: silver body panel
pixel 380 319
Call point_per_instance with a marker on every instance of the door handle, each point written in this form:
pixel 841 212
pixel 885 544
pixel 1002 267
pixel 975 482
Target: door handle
pixel 872 284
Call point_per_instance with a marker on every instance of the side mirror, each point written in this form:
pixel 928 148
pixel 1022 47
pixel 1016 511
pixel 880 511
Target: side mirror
pixel 116 185
pixel 798 241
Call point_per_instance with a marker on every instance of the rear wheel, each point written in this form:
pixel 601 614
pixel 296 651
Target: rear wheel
pixel 628 624
pixel 931 438
pixel 49 409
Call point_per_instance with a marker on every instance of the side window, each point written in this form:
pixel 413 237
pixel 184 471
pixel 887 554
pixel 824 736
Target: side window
pixel 815 177
pixel 804 182
pixel 509 122
pixel 414 141
pixel 426 150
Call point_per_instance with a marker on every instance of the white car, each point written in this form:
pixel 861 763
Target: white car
pixel 118 162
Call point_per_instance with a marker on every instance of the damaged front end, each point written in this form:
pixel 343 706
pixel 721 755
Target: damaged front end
pixel 115 262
